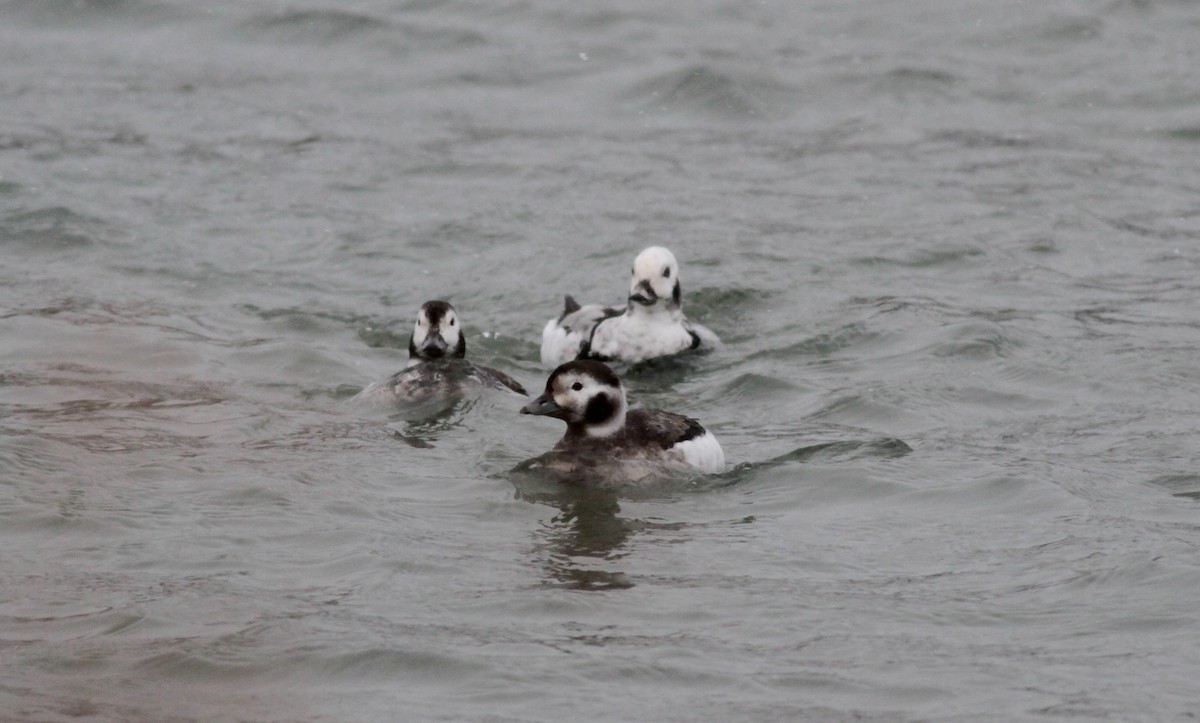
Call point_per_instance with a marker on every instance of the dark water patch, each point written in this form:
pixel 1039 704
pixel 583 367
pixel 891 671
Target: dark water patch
pixel 52 230
pixel 99 413
pixel 878 406
pixel 89 13
pixel 71 305
pixel 751 386
pixel 660 374
pixel 884 448
pixel 889 304
pixel 973 340
pixel 823 345
pixel 442 38
pixel 597 19
pixel 1060 30
pixel 323 27
pixel 457 234
pixel 75 408
pixel 111 392
pixel 1107 316
pixel 1144 230
pixel 1043 246
pixel 331 437
pixel 1180 485
pixel 925 258
pixel 573 578
pixel 1190 134
pixel 456 169
pixel 303 321
pixel 510 76
pixel 708 92
pixel 312 26
pixel 385 664
pixel 1047 35
pixel 723 309
pixel 125 438
pixel 379 333
pixel 200 661
pixel 921 82
pixel 921 75
pixel 127 318
pixel 975 138
pixel 842 451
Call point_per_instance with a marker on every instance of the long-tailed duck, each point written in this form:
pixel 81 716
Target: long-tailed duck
pixel 650 325
pixel 608 440
pixel 437 364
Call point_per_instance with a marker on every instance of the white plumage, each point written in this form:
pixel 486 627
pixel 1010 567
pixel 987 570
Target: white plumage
pixel 650 325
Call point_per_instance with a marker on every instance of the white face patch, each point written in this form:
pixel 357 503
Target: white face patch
pixel 448 327
pixel 574 392
pixel 422 329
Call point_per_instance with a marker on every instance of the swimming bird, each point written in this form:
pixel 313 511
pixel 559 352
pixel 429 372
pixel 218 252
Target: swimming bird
pixel 437 364
pixel 649 326
pixel 605 437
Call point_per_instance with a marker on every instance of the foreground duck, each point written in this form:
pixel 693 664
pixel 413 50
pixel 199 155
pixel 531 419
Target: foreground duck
pixel 649 326
pixel 604 436
pixel 437 364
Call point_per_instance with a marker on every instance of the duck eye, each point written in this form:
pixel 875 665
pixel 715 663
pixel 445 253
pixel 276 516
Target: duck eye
pixel 452 322
pixel 577 386
pixel 667 273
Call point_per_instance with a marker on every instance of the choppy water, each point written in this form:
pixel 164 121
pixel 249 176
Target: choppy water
pixel 952 250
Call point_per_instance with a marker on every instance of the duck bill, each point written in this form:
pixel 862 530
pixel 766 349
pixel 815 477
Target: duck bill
pixel 643 294
pixel 434 346
pixel 544 406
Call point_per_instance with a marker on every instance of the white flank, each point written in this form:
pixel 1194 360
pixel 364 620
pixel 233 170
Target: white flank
pixel 703 452
pixel 558 345
pixel 562 338
pixel 708 338
pixel 632 339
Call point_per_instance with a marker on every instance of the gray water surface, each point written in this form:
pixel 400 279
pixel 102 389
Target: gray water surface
pixel 952 250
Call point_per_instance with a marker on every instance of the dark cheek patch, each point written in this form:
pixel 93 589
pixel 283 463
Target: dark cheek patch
pixel 599 410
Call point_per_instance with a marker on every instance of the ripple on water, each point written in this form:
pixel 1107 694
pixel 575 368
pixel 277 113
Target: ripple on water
pixel 1180 485
pixel 866 409
pixel 712 92
pixel 51 230
pixel 322 27
pixel 926 258
pixel 822 345
pixel 910 83
pixel 312 26
pixel 751 386
pixel 86 13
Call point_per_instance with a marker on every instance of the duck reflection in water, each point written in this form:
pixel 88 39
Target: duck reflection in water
pixel 587 532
